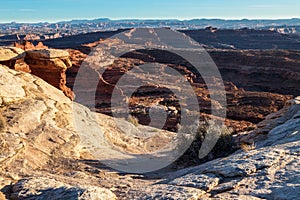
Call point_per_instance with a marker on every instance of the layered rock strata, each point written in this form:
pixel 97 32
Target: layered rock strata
pixel 244 108
pixel 51 66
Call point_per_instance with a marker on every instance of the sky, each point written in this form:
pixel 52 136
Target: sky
pixel 58 10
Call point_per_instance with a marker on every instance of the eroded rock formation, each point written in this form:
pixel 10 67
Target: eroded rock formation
pixel 42 136
pixel 26 45
pixel 51 66
pixel 13 58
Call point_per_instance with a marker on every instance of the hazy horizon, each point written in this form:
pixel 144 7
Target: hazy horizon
pixel 33 11
pixel 145 19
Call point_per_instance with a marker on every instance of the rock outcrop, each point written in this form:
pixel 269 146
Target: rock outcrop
pixel 13 58
pixel 41 142
pixel 33 112
pixel 264 133
pixel 51 66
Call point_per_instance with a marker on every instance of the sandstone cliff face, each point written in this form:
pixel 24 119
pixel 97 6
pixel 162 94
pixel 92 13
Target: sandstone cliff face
pixel 241 39
pixel 49 64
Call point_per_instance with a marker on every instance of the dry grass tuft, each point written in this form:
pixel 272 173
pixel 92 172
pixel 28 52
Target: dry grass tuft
pixel 247 147
pixel 2 123
pixel 133 120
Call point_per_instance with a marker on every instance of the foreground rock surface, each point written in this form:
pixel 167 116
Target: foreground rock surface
pixel 39 138
pixel 41 154
pixel 270 171
pixel 45 188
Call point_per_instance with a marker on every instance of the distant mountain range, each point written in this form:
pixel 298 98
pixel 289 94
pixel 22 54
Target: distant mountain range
pixel 218 23
pixel 193 23
pixel 11 32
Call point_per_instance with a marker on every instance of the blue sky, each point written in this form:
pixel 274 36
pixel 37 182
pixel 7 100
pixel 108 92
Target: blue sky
pixel 56 10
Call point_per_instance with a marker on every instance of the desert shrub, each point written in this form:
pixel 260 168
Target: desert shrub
pixel 224 146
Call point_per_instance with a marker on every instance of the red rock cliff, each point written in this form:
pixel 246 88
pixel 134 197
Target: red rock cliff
pixel 51 65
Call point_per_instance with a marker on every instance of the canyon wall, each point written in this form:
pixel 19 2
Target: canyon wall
pixel 246 105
